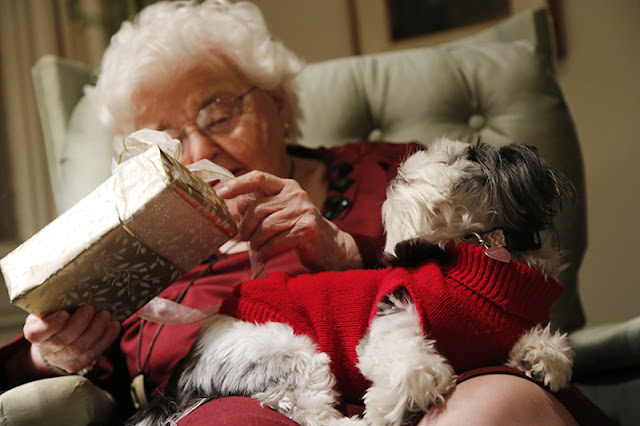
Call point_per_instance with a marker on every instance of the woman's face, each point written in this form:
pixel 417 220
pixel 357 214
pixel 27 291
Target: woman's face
pixel 254 142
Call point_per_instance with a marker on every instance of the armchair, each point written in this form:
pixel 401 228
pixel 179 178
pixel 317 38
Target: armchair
pixel 498 86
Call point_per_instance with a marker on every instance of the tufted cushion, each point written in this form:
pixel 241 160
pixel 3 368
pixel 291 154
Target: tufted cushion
pixel 494 91
pixel 488 88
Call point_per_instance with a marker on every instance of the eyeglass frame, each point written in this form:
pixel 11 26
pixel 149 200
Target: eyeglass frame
pixel 179 133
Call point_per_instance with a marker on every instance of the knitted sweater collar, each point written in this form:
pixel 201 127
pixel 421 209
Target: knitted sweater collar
pixel 517 288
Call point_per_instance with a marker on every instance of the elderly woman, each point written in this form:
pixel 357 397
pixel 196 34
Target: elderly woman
pixel 211 76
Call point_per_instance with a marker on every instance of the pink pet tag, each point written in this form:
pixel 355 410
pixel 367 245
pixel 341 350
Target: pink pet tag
pixel 498 253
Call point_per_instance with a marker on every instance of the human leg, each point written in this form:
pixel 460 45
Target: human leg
pixel 499 399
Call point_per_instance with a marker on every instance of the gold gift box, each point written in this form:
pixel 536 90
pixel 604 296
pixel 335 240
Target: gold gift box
pixel 122 244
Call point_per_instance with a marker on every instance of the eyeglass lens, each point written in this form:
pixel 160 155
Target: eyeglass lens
pixel 218 116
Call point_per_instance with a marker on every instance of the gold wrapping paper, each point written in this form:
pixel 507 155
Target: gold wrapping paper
pixel 123 244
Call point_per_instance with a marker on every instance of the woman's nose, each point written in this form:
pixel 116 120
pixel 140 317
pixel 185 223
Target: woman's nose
pixel 197 146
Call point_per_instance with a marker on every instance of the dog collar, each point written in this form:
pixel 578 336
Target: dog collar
pixel 507 239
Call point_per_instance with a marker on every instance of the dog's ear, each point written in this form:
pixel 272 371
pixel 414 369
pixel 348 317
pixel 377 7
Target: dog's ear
pixel 525 191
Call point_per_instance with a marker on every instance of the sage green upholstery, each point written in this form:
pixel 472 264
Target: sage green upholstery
pixel 64 401
pixel 498 86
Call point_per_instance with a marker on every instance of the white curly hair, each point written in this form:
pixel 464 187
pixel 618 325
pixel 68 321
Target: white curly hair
pixel 169 36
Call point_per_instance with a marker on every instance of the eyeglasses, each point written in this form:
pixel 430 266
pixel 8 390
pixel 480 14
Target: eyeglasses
pixel 218 116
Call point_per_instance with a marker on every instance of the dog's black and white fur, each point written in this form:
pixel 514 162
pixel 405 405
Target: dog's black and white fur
pixel 447 192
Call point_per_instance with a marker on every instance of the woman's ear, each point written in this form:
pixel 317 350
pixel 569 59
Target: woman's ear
pixel 283 104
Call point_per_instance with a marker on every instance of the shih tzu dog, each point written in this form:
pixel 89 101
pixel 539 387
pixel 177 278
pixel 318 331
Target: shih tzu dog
pixel 470 284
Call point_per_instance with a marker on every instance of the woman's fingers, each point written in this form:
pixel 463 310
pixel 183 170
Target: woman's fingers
pixel 72 342
pixel 109 336
pixel 301 225
pixel 253 182
pixel 319 244
pixel 75 326
pixel 276 214
pixel 83 352
pixel 243 191
pixel 38 329
pixel 86 341
pixel 267 204
pixel 271 215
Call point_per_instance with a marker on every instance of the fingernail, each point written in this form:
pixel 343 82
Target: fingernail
pixel 221 189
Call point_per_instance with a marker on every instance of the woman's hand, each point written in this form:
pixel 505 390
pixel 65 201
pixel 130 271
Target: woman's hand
pixel 70 342
pixel 275 215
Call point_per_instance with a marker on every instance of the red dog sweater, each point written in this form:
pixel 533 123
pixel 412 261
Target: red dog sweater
pixel 473 306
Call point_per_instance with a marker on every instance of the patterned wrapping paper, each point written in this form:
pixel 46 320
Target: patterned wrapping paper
pixel 120 246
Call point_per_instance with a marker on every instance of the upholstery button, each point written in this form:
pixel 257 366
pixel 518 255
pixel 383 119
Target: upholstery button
pixel 477 121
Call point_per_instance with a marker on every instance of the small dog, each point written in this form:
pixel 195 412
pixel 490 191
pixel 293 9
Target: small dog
pixel 469 286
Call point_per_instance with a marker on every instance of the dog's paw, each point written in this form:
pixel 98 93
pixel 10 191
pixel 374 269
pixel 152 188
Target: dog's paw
pixel 545 356
pixel 437 381
pixel 407 373
pixel 392 400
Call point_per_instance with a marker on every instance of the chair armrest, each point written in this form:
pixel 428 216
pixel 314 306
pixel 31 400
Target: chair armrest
pixel 606 348
pixel 68 400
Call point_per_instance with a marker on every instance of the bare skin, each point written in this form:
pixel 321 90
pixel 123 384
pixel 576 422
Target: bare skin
pixel 285 218
pixel 70 342
pixel 499 399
